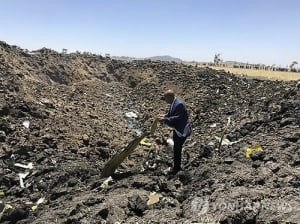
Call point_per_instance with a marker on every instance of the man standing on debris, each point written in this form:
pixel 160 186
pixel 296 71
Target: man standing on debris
pixel 177 118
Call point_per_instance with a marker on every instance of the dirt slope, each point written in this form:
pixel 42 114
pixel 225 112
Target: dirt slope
pixel 76 106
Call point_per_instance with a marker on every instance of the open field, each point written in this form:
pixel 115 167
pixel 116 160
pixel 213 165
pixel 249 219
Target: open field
pixel 271 75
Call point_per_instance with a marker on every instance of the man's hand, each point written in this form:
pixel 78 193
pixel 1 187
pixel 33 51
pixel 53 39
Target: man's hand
pixel 160 118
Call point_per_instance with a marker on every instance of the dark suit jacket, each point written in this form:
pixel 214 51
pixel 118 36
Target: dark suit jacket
pixel 177 118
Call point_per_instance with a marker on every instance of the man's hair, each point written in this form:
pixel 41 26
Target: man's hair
pixel 170 93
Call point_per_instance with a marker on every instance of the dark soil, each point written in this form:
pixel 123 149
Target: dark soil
pixel 76 105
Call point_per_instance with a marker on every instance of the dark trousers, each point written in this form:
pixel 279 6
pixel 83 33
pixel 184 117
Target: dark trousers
pixel 178 143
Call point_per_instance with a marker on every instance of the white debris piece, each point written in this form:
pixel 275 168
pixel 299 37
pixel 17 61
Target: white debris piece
pixel 28 166
pixel 167 170
pixel 106 182
pixel 26 124
pixel 226 141
pixel 213 125
pixel 40 201
pixel 153 198
pixel 23 176
pixel 131 115
pixel 170 143
pixel 108 95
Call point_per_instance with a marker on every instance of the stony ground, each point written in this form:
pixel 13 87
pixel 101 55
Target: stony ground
pixel 74 108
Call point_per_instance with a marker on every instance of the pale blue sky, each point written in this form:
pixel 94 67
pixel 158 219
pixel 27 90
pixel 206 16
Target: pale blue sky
pixel 254 31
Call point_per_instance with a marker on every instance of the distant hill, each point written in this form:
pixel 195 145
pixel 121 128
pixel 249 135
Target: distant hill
pixel 165 58
pixel 155 58
pixel 125 58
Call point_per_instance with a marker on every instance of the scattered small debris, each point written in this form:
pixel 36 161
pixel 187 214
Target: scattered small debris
pixel 166 171
pixel 228 160
pixel 106 182
pixel 221 139
pixel 225 141
pixel 170 143
pixel 131 115
pixel 21 177
pixel 40 201
pixel 4 208
pixel 253 148
pixel 26 124
pixel 153 198
pixel 213 125
pixel 262 111
pixel 108 95
pixel 145 141
pixel 151 165
pixel 28 166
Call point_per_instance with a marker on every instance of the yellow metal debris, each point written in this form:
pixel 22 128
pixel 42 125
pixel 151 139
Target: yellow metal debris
pixel 153 198
pixel 117 159
pixel 253 148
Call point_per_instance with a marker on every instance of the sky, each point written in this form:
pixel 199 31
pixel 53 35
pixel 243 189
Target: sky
pixel 253 31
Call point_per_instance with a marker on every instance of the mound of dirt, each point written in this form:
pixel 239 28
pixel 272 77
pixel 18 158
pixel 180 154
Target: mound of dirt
pixel 64 115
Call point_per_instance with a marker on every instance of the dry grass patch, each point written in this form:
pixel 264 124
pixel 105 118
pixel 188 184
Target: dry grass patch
pixel 272 75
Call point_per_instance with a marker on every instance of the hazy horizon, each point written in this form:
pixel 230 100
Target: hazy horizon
pixel 249 31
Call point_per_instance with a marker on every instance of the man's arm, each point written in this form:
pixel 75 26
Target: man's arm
pixel 178 114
